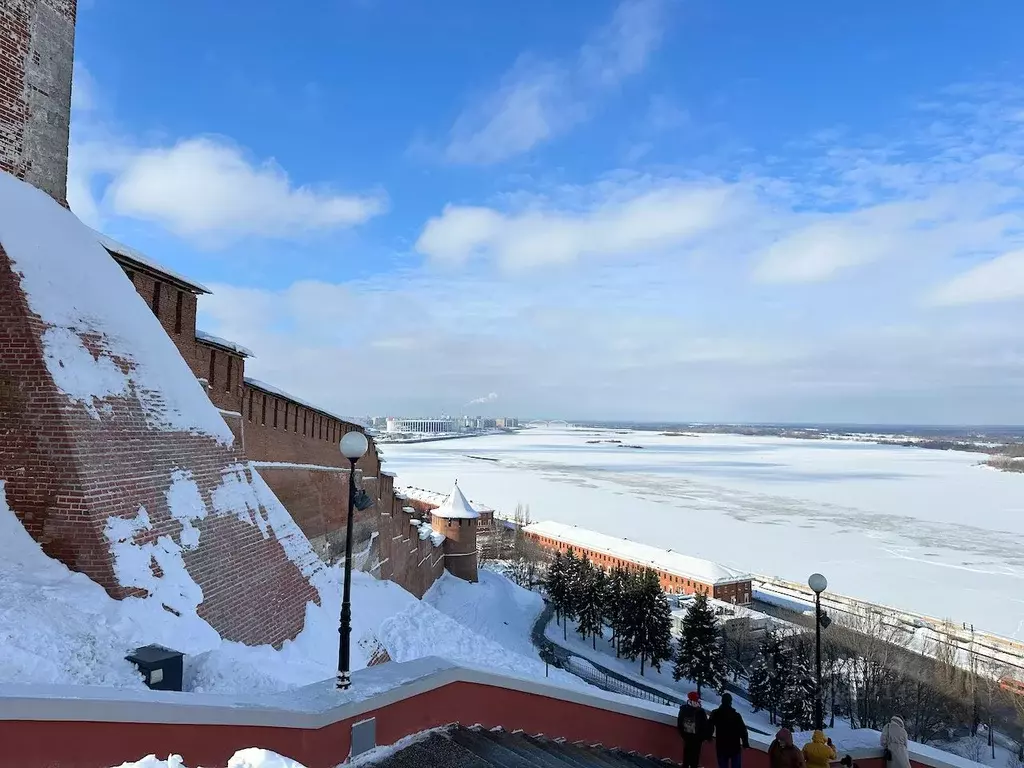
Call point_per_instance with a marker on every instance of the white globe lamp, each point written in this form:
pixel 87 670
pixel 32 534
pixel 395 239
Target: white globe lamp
pixel 354 445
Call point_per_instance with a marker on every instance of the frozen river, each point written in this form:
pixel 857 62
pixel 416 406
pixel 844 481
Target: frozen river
pixel 926 531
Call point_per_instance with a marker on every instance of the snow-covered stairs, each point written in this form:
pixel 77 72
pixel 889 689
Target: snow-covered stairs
pixel 476 747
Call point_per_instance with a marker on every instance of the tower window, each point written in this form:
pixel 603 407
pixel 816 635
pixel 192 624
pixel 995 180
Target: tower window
pixel 213 367
pixel 227 384
pixel 156 298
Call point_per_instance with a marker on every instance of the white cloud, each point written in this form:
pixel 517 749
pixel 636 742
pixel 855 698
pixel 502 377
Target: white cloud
pixel 625 222
pixel 490 397
pixel 206 187
pixel 539 100
pixel 1000 279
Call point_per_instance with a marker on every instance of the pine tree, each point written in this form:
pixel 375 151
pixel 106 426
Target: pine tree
pixel 701 657
pixel 614 608
pixel 646 631
pixel 759 683
pixel 768 674
pixel 571 597
pixel 555 584
pixel 591 609
pixel 796 703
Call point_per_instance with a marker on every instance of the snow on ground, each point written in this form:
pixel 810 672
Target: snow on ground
pixel 921 530
pixel 494 608
pixel 246 758
pixel 57 626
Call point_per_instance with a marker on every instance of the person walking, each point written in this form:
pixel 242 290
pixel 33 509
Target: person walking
pixel 783 753
pixel 894 742
pixel 730 732
pixel 819 752
pixel 692 724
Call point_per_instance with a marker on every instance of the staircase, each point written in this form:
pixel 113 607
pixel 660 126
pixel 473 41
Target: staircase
pixel 476 747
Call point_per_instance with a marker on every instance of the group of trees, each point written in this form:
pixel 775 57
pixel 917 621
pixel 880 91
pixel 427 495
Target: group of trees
pixel 632 604
pixel 629 602
pixel 782 682
pixel 869 673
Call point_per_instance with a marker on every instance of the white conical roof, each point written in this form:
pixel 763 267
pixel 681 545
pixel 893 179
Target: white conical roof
pixel 456 506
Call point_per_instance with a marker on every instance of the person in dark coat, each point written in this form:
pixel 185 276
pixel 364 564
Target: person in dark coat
pixel 730 734
pixel 783 753
pixel 692 724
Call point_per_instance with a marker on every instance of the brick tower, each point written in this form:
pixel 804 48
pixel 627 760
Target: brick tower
pixel 111 455
pixel 457 520
pixel 37 43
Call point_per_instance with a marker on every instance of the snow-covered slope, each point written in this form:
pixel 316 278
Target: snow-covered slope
pixel 495 608
pixel 57 626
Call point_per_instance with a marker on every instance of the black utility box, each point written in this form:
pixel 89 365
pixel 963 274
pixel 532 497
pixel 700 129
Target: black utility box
pixel 161 667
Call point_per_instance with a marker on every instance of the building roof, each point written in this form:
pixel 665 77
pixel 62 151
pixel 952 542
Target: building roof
pixel 456 507
pixel 127 253
pixel 217 341
pixel 437 499
pixel 694 568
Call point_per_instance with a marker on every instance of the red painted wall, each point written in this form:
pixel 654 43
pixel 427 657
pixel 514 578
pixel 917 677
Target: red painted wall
pixel 32 744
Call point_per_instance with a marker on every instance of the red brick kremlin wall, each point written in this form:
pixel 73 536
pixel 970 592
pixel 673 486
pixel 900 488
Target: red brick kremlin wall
pixel 68 472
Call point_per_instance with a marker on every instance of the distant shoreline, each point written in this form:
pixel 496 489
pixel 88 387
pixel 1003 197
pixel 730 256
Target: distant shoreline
pixel 1004 446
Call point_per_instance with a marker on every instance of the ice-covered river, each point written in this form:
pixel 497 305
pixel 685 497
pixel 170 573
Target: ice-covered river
pixel 927 531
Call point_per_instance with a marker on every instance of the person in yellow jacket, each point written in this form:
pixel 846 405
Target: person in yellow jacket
pixel 819 752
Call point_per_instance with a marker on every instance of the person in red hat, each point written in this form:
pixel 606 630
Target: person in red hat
pixel 692 724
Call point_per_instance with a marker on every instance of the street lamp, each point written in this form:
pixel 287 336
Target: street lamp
pixel 818 584
pixel 353 447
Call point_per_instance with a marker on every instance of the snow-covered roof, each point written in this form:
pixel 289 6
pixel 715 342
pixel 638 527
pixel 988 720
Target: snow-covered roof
pixel 131 254
pixel 217 341
pixel 456 507
pixel 703 571
pixel 438 499
pixel 271 390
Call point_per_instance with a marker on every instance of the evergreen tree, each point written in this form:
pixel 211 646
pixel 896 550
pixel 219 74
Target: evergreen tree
pixel 768 674
pixel 701 657
pixel 615 597
pixel 796 703
pixel 646 621
pixel 591 614
pixel 759 683
pixel 555 584
pixel 571 598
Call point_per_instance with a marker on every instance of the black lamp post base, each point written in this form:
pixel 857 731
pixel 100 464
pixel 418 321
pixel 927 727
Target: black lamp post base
pixel 343 681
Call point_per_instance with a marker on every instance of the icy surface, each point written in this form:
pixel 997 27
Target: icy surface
pixel 138 256
pixel 74 286
pixel 921 530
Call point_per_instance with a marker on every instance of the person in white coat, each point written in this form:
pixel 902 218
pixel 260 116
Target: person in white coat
pixel 894 741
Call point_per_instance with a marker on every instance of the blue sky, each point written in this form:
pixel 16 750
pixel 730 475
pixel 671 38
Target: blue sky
pixel 663 209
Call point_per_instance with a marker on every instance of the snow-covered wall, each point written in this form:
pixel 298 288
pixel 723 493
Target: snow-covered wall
pixel 114 458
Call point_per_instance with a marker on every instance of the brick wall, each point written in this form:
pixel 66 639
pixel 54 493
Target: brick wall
pixel 223 372
pixel 67 473
pixel 318 502
pixel 37 40
pixel 412 563
pixel 459 546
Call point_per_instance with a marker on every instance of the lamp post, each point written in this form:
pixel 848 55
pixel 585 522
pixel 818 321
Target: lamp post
pixel 818 584
pixel 353 447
